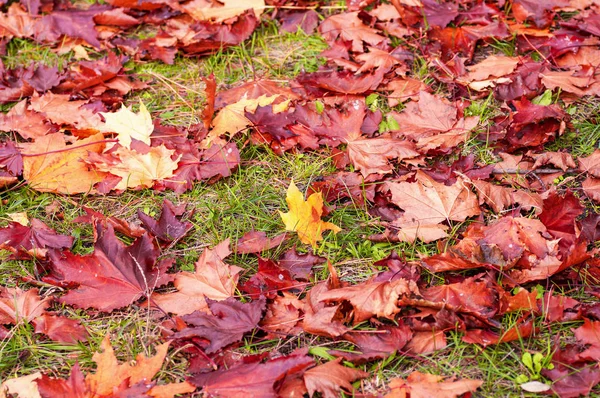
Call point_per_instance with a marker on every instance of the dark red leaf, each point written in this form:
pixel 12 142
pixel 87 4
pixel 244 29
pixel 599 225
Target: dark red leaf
pixel 291 21
pixel 24 239
pixel 74 386
pixel 59 328
pixel 72 23
pixel 300 265
pixel 251 380
pixel 11 158
pixel 377 344
pixel 229 321
pixel 570 383
pixel 113 276
pixel 559 214
pixel 268 280
pixel 167 228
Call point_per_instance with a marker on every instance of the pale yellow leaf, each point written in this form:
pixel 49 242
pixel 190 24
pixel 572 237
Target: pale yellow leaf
pixel 128 125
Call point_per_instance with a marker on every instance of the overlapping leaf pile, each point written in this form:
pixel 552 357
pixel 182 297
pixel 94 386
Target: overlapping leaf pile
pixel 511 223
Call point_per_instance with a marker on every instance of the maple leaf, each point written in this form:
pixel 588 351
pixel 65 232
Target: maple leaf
pixel 24 386
pixel 212 279
pixel 427 202
pixel 422 385
pixel 228 9
pixel 255 379
pixel 50 165
pixel 18 306
pixel 559 214
pixel 167 228
pixel 29 124
pixel 257 242
pixel 112 377
pixel 232 118
pixel 373 298
pixel 60 110
pixel 500 198
pixel 304 217
pixel 129 125
pixel 228 322
pixel 379 345
pixel 572 383
pixel 113 276
pixel 139 169
pixel 282 315
pixel 300 265
pixel 492 66
pixel 403 89
pixel 32 240
pixel 331 378
pixel 468 295
pixel 349 27
pixel 590 164
pixel 321 319
pixel 372 155
pixel 426 342
pixel 268 280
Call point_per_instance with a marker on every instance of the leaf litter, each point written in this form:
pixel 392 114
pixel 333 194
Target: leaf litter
pixel 501 226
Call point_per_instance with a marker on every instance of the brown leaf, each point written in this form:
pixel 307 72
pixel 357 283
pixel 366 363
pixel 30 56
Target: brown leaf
pixel 428 202
pixel 331 378
pixel 213 279
pixel 493 65
pixel 590 164
pixel 373 298
pixel 257 242
pixel 402 89
pixel 421 385
pixel 426 342
pixel 372 155
pixel 349 27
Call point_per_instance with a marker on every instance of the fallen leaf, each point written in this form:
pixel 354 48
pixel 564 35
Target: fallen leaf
pixel 372 155
pixel 167 228
pixel 304 217
pixel 140 170
pixel 222 11
pixel 129 125
pixel 113 276
pixel 429 202
pixel 331 378
pixel 50 165
pixel 213 279
pixel 228 322
pixel 257 242
pixel 373 298
pixel 422 385
pixel 23 387
pixel 255 379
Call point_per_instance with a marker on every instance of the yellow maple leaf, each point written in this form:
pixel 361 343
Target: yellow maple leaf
pixel 128 125
pixel 140 170
pixel 50 165
pixel 304 217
